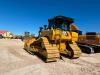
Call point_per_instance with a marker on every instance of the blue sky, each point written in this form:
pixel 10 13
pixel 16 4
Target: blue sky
pixel 18 16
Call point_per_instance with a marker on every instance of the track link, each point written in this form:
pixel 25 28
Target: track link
pixel 87 49
pixel 46 50
pixel 52 52
pixel 74 51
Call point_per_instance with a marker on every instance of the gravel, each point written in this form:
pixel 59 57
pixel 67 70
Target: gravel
pixel 14 60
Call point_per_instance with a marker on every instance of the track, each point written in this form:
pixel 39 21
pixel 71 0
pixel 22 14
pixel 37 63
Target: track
pixel 90 49
pixel 86 49
pixel 74 50
pixel 50 52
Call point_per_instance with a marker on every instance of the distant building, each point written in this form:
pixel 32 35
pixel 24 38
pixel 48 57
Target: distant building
pixel 5 34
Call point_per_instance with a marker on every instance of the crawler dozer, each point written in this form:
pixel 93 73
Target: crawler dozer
pixel 89 42
pixel 59 37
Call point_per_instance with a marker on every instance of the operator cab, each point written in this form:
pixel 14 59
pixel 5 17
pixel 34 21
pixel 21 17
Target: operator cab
pixel 60 22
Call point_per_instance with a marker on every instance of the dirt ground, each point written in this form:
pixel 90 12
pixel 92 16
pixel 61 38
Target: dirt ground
pixel 14 60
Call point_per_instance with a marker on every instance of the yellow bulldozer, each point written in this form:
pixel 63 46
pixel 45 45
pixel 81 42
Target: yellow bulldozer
pixel 58 38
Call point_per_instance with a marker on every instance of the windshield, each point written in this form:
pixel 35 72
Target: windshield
pixel 62 26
